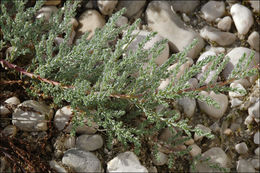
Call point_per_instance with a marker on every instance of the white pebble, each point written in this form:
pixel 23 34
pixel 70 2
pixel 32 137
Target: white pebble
pixel 241 148
pixel 253 40
pixel 257 138
pixel 213 10
pixel 225 23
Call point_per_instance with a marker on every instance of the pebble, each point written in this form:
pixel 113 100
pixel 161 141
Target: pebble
pixel 10 131
pixel 204 129
pixel 160 159
pixel 133 8
pixel 125 162
pixel 217 156
pixel 81 161
pixel 253 110
pixel 253 40
pixel 167 134
pixel 89 142
pixel 225 23
pixel 185 18
pixel 236 94
pixel 210 110
pixel 33 119
pixel 69 142
pixel 3 110
pixel 215 35
pixel 241 148
pixel 257 151
pixel 121 21
pixel 255 163
pixel 46 12
pixel 63 116
pixel 57 167
pixel 184 6
pixel 188 105
pixel 189 142
pixel 12 102
pixel 213 10
pixel 235 102
pixel 195 150
pixel 245 166
pixel 162 19
pixel 257 138
pixel 242 18
pixel 235 54
pixel 106 7
pixel 89 21
pixel 150 44
pixel 249 119
pixel 243 82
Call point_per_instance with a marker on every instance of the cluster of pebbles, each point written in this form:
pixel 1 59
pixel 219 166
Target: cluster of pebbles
pixel 227 27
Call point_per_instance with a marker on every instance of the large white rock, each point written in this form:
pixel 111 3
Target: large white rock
pixel 125 162
pixel 89 21
pixel 213 10
pixel 253 40
pixel 162 19
pixel 234 55
pixel 81 161
pixel 149 45
pixel 242 18
pixel 210 110
pixel 221 38
pixel 106 7
pixel 89 142
pixel 32 116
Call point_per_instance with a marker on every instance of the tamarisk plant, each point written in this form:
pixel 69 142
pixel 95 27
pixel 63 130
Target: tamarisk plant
pixel 104 81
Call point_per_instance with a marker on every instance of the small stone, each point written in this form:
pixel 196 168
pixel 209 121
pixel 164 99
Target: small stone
pixel 106 7
pixel 89 21
pixel 195 150
pixel 160 159
pixel 189 142
pixel 185 17
pixel 204 129
pixel 57 167
pixel 215 35
pixel 10 131
pixel 235 102
pixel 3 110
pixel 249 119
pixel 69 142
pixel 121 21
pixel 52 2
pixel 241 148
pixel 132 7
pixel 228 132
pixel 125 162
pixel 243 82
pixel 213 10
pixel 244 166
pixel 257 138
pixel 46 12
pixel 257 151
pixel 81 161
pixel 210 110
pixel 253 40
pixel 89 142
pixel 236 94
pixel 188 105
pixel 225 23
pixel 187 6
pixel 254 109
pixel 13 101
pixel 242 17
pixel 33 119
pixel 215 127
pixel 255 163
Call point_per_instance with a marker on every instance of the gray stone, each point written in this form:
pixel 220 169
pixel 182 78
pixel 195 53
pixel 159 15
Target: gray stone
pixel 257 151
pixel 32 116
pixel 12 102
pixel 195 150
pixel 213 10
pixel 255 4
pixel 236 94
pixel 160 159
pixel 257 138
pixel 106 7
pixel 132 7
pixel 125 162
pixel 188 105
pixel 254 109
pixel 255 163
pixel 9 130
pixel 46 12
pixel 225 23
pixel 215 35
pixel 235 102
pixel 253 40
pixel 204 129
pixel 57 167
pixel 210 110
pixel 81 161
pixel 245 166
pixel 162 19
pixel 121 21
pixel 89 142
pixel 242 18
pixel 186 6
pixel 241 148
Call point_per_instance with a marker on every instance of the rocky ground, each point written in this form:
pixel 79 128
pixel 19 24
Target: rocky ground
pixel 230 27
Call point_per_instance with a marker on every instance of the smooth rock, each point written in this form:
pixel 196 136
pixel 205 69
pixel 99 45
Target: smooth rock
pixel 235 102
pixel 243 82
pixel 253 40
pixel 52 2
pixel 162 19
pixel 241 148
pixel 69 142
pixel 89 142
pixel 57 167
pixel 235 54
pixel 189 142
pixel 215 35
pixel 46 12
pixel 160 159
pixel 3 110
pixel 255 163
pixel 255 4
pixel 188 105
pixel 257 138
pixel 257 151
pixel 106 7
pixel 195 150
pixel 242 18
pixel 132 7
pixel 89 21
pixel 225 23
pixel 236 94
pixel 245 166
pixel 249 119
pixel 32 116
pixel 213 10
pixel 125 162
pixel 210 110
pixel 186 6
pixel 253 110
pixel 204 129
pixel 63 116
pixel 149 45
pixel 121 21
pixel 217 156
pixel 166 134
pixel 10 131
pixel 185 18
pixel 13 101
pixel 81 161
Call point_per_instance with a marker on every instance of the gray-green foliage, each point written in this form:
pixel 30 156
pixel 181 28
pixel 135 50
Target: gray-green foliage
pixel 109 84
